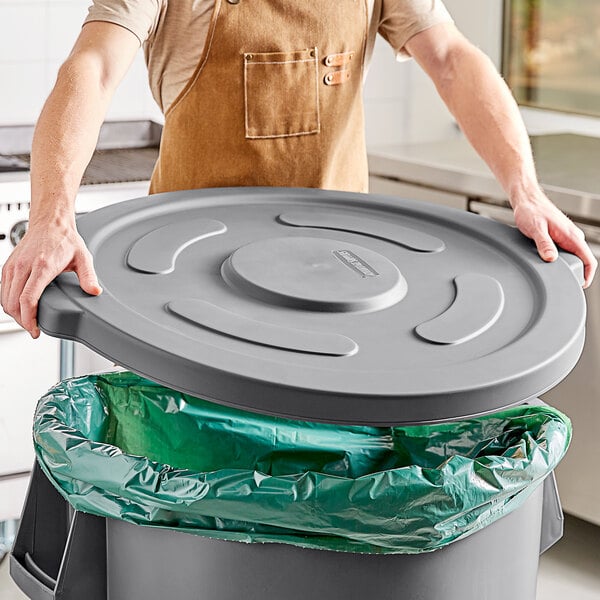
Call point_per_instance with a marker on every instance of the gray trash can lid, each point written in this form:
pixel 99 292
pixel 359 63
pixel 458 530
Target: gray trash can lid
pixel 326 306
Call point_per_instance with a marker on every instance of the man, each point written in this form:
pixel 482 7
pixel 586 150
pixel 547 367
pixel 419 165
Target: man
pixel 259 92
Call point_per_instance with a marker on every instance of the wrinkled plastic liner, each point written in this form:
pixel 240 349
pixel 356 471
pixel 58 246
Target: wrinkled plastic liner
pixel 120 446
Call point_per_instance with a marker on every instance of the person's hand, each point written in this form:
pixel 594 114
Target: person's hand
pixel 539 219
pixel 40 256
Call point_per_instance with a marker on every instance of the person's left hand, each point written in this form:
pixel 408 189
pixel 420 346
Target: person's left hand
pixel 539 219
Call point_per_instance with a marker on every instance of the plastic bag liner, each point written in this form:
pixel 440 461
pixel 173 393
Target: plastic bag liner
pixel 117 445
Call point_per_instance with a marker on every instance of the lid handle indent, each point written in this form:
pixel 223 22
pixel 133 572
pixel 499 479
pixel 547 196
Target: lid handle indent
pixel 478 304
pixel 157 251
pixel 412 239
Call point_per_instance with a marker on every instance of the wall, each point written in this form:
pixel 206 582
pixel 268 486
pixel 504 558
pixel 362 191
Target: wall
pixel 35 38
pixel 401 103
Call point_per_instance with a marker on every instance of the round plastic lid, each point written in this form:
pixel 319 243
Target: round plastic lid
pixel 325 306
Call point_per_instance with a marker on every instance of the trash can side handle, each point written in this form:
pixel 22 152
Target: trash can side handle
pixel 575 264
pixel 56 556
pixel 58 315
pixel 29 583
pixel 552 515
pixel 38 573
pixel 42 534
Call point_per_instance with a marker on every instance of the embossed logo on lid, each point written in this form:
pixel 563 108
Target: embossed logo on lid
pixel 355 263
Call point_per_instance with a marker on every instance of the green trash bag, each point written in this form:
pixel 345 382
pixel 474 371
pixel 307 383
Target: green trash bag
pixel 120 446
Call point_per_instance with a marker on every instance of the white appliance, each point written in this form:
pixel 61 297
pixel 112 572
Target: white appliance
pixel 27 367
pixel 119 170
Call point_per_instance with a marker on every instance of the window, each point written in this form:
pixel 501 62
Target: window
pixel 551 56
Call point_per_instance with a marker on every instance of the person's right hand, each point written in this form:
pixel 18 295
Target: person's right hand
pixel 41 255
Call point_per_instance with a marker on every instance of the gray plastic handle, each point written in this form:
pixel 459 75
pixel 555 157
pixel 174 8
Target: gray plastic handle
pixel 58 315
pixel 58 554
pixel 39 573
pixel 574 263
pixel 552 515
pixel 412 239
pixel 28 583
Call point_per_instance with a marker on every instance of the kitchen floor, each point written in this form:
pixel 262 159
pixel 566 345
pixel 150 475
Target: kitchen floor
pixel 571 569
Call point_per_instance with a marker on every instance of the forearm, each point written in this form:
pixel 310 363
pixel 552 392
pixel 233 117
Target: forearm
pixel 64 139
pixel 68 127
pixel 489 117
pixel 487 113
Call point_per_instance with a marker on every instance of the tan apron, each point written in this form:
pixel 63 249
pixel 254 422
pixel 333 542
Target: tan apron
pixel 276 100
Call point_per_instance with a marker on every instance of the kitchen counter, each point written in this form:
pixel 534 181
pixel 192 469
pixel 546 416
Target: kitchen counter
pixel 568 167
pixel 126 152
pixel 451 173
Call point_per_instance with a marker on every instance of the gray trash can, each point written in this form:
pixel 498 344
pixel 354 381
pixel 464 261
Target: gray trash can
pixel 319 306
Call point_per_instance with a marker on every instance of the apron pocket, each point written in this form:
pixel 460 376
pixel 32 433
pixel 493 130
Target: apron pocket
pixel 281 93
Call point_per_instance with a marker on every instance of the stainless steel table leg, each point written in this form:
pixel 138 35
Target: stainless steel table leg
pixel 67 359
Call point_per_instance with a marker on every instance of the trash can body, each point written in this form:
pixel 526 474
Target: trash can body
pixel 317 306
pixel 61 554
pixel 496 563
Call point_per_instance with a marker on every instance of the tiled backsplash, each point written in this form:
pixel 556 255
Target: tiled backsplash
pixel 35 38
pixel 401 103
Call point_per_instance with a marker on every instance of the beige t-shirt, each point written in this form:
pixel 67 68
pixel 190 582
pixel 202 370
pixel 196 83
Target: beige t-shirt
pixel 173 33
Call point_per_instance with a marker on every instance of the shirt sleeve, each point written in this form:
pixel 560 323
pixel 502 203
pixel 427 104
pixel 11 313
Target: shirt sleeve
pixel 138 16
pixel 402 19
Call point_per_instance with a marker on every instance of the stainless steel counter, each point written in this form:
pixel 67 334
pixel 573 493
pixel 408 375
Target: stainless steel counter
pixel 568 167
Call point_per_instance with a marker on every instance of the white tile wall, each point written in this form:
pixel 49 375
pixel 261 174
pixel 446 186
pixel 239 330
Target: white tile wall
pixel 385 78
pixel 385 94
pixel 35 38
pixel 481 22
pixel 132 98
pixel 63 22
pixel 22 31
pixel 401 103
pixel 23 90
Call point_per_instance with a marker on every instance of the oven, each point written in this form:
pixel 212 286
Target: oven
pixel 119 170
pixel 27 367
